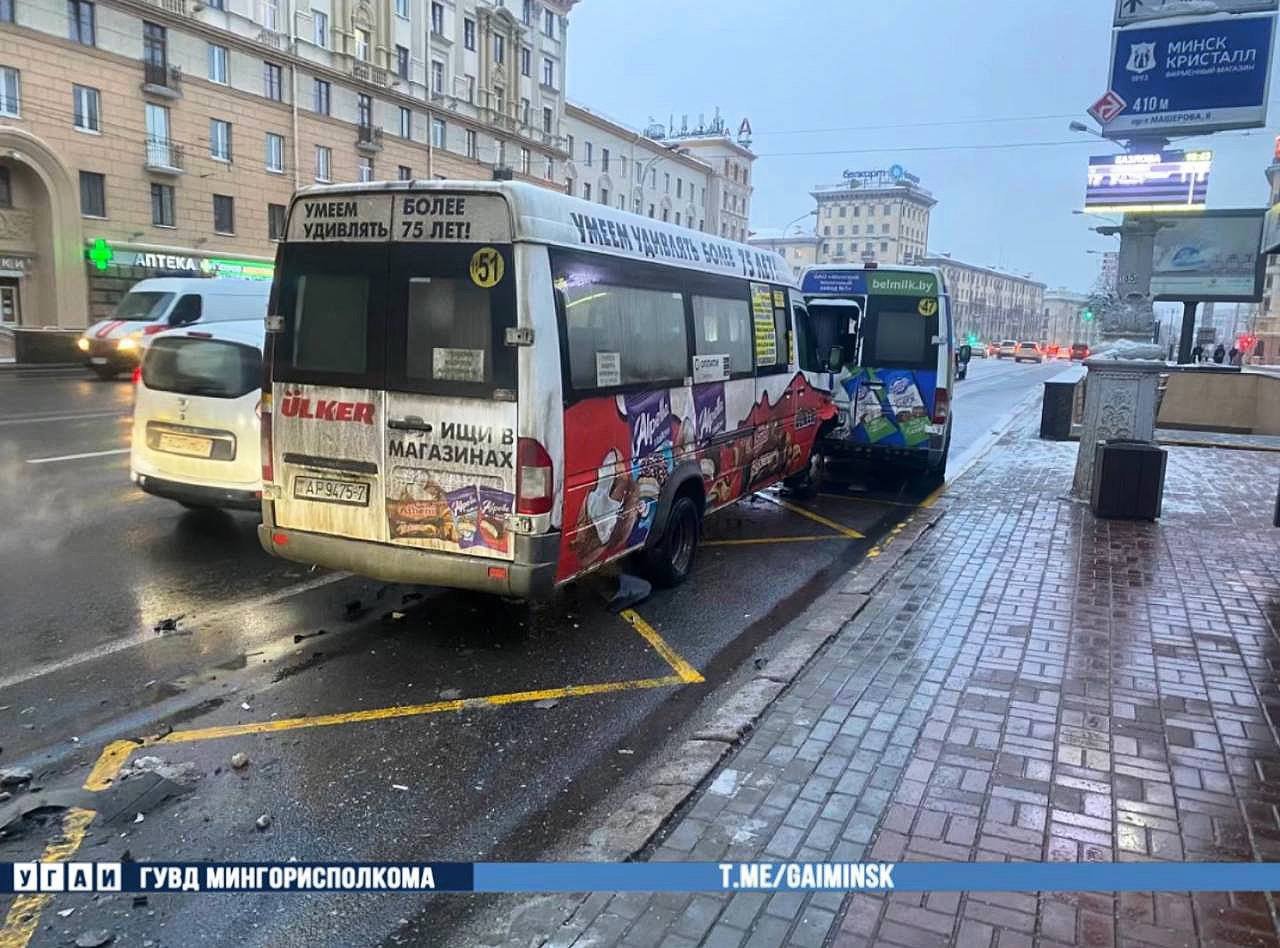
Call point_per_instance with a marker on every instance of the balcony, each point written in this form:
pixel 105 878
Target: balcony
pixel 176 7
pixel 161 79
pixel 164 156
pixel 373 75
pixel 368 139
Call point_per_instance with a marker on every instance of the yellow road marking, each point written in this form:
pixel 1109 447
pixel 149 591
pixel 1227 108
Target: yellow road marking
pixel 113 757
pixel 755 541
pixel 933 497
pixel 815 517
pixel 867 500
pixel 688 674
pixel 24 914
pixel 879 547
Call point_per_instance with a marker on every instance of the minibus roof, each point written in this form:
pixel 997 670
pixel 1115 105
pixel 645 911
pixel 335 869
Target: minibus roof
pixel 542 216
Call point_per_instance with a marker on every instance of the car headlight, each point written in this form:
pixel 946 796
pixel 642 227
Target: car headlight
pixel 82 344
pixel 127 344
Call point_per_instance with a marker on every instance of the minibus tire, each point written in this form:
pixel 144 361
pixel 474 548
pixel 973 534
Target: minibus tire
pixel 670 561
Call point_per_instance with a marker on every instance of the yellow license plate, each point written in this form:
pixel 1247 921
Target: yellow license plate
pixel 185 444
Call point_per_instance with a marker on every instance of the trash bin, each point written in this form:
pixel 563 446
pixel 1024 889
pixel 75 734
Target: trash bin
pixel 1128 479
pixel 1058 406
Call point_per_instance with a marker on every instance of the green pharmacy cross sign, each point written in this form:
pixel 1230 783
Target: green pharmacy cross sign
pixel 101 254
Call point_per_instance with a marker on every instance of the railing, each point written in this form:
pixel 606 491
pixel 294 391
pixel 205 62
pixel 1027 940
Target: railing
pixel 368 136
pixel 366 73
pixel 178 7
pixel 164 154
pixel 162 75
pixel 273 39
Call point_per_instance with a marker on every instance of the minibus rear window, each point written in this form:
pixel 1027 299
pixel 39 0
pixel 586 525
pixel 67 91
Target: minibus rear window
pixel 900 336
pixel 331 323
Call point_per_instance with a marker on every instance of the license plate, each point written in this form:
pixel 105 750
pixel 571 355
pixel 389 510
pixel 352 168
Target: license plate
pixel 98 360
pixel 185 444
pixel 351 493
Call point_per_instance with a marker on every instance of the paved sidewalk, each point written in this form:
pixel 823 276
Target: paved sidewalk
pixel 1028 683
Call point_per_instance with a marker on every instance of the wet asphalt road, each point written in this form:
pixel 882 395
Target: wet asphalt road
pixel 90 566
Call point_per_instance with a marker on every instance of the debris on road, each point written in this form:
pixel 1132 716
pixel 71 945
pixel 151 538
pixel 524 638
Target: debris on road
pixel 244 706
pixel 5 796
pixel 14 776
pixel 546 703
pixel 398 786
pixel 168 624
pixel 185 774
pixel 239 760
pixel 139 818
pixel 94 939
pixel 450 694
pixel 262 822
pixel 139 901
pixel 65 913
pixel 301 636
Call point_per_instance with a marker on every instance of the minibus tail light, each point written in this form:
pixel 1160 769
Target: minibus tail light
pixel 534 480
pixel 941 406
pixel 264 419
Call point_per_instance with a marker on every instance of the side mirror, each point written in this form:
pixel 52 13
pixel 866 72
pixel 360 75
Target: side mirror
pixel 966 353
pixel 835 358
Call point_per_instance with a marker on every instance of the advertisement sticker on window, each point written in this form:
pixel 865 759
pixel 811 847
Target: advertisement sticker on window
pixel 766 334
pixel 457 365
pixel 608 369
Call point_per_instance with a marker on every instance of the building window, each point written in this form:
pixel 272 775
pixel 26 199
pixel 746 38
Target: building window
pixel 666 214
pixel 406 122
pixel 677 218
pixel 162 205
pixel 438 131
pixel 86 104
pixel 569 145
pixel 604 196
pixel 501 148
pixel 524 111
pixel 366 169
pixel 500 99
pixel 270 14
pixel 437 19
pixel 499 48
pixel 275 152
pixel 666 182
pixel 526 15
pixel 220 139
pixel 651 215
pixel 524 160
pixel 586 190
pixel 404 173
pixel 635 205
pixel 402 8
pixel 437 77
pixel 322 96
pixel 93 194
pixel 402 62
pixel 549 23
pixel 871 210
pixel 526 61
pixel 362 45
pixel 471 88
pixel 839 248
pixel 839 230
pixel 275 221
pixel 604 159
pixel 6 11
pixel 548 73
pixel 548 119
pixel 324 163
pixel 549 169
pixel 80 14
pixel 679 186
pixel 469 33
pixel 364 110
pixel 154 48
pixel 472 149
pixel 587 150
pixel 224 214
pixel 320 27
pixel 272 84
pixel 884 246
pixel 217 64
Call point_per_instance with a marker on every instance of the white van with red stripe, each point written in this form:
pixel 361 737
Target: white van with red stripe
pixel 494 386
pixel 112 346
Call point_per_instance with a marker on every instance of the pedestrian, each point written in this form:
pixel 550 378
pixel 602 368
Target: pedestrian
pixel 1197 354
pixel 1219 354
pixel 1233 357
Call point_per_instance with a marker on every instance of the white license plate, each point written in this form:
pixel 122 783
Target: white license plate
pixel 185 444
pixel 351 493
pixel 98 360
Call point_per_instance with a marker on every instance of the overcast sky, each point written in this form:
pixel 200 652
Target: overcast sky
pixel 841 65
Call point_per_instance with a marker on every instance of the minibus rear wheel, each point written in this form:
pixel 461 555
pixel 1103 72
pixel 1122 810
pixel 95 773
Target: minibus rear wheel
pixel 670 561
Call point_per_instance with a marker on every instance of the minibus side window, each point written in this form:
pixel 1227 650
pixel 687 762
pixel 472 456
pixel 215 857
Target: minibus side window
pixel 723 327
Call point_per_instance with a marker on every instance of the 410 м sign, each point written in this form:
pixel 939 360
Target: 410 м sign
pixel 1192 77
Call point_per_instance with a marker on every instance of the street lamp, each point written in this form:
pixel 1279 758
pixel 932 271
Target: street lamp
pixel 813 213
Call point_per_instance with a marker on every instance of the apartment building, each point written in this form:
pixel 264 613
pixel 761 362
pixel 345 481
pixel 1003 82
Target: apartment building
pixel 879 216
pixel 622 168
pixel 1062 320
pixel 164 137
pixel 990 303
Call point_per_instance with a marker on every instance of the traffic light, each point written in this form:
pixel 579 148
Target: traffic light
pixel 973 339
pixel 1087 314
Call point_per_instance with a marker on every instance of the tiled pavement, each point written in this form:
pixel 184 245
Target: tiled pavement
pixel 1028 684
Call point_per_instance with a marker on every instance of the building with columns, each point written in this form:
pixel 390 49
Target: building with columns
pixel 164 137
pixel 873 216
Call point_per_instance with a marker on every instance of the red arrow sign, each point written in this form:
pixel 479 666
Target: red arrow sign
pixel 1107 108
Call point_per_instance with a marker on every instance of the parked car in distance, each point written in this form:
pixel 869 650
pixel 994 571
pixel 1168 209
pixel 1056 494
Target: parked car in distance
pixel 115 345
pixel 1078 351
pixel 1008 349
pixel 1028 352
pixel 196 433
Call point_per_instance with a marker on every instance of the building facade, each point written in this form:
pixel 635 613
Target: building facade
pixel 618 166
pixel 1266 327
pixel 1062 320
pixel 799 251
pixel 873 216
pixel 730 159
pixel 991 304
pixel 165 138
